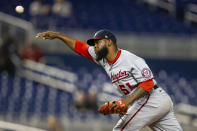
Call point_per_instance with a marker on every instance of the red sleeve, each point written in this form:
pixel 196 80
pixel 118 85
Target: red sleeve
pixel 147 85
pixel 81 48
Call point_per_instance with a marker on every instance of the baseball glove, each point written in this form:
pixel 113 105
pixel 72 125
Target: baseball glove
pixel 113 107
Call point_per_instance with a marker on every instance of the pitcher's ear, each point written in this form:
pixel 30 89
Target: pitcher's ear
pixel 109 42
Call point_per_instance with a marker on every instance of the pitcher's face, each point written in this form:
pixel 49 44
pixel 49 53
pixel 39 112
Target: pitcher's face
pixel 101 49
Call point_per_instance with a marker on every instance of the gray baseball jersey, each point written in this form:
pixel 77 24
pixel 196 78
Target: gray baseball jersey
pixel 126 72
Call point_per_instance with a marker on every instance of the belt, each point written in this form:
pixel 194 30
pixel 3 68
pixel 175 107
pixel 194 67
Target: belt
pixel 155 87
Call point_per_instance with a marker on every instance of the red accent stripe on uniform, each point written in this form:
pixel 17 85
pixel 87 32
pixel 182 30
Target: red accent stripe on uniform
pixel 135 114
pixel 116 58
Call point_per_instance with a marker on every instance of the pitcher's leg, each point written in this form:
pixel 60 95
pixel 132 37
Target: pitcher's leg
pixel 145 112
pixel 139 115
pixel 132 120
pixel 167 123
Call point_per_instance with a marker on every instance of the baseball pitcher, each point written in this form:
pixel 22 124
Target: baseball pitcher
pixel 144 103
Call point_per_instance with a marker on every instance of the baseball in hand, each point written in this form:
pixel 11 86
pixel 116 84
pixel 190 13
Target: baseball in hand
pixel 19 9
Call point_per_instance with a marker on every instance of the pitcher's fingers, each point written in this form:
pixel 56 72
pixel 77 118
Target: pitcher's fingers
pixel 39 35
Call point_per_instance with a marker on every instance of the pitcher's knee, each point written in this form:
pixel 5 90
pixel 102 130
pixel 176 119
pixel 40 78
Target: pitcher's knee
pixel 116 129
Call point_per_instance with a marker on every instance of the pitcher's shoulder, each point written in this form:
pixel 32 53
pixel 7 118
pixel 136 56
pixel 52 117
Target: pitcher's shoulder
pixel 128 54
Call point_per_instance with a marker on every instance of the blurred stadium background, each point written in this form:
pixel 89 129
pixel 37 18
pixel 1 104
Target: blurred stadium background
pixel 45 86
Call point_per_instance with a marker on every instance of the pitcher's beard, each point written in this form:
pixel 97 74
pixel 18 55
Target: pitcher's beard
pixel 101 53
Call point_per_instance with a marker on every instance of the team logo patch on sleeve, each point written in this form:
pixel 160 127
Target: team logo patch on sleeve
pixel 146 72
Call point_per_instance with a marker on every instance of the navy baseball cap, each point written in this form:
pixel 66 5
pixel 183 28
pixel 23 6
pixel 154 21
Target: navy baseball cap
pixel 102 34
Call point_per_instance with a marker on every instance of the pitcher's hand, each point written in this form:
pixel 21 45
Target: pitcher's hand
pixel 113 107
pixel 47 35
